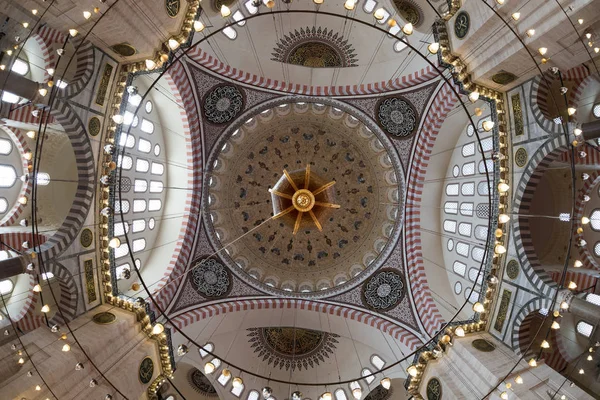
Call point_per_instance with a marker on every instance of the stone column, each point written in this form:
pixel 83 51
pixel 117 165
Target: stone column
pixel 591 130
pixel 19 85
pixel 13 266
pixel 589 312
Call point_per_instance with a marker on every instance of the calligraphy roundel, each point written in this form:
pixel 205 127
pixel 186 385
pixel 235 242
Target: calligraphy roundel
pixel 462 23
pixel 146 370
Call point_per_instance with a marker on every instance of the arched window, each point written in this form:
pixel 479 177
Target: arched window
pixel 5 147
pixel 42 178
pixel 157 168
pixel 139 245
pixel 466 209
pixel 237 390
pixel 462 249
pixel 468 149
pixel 120 228
pixel 140 185
pixel 377 361
pixel 595 220
pixel 20 67
pixel 147 127
pixel 369 6
pixel 142 165
pixel 585 329
pixel 459 268
pixel 125 162
pixel 451 207
pixel 144 146
pixel 253 395
pixel 154 205
pixel 216 362
pixel 230 33
pixel 450 226
pixel 340 395
pixel 6 286
pixel 122 250
pixel 399 46
pixel 250 7
pixel 366 372
pixel 207 347
pixel 8 176
pixel 593 298
pixel 238 17
pixel 139 225
pixel 139 205
pixel 452 189
pixel 223 379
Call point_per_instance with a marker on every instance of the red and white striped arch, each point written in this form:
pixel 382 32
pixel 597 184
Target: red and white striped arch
pixel 426 308
pixel 209 62
pixel 15 212
pixel 181 87
pixel 395 330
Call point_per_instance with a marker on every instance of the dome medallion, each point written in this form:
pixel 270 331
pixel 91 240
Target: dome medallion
pixel 304 198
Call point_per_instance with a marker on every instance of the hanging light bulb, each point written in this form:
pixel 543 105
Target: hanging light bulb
pixel 237 382
pixel 114 243
pixel 532 363
pixel 158 329
pixel 182 350
pixel 516 16
pixel 45 308
pixel 500 2
pixel 198 26
pixel 225 11
pixel 350 5
pixel 503 187
pixel 474 96
pixel 226 373
pixel 73 32
pixel 596 49
pixel 503 218
pixel 174 44
pixel 530 32
pixel 478 112
pixel 326 396
pixel 34 11
pixel 318 2
pixel 518 380
pixel 577 264
pixel 545 344
pixel 412 371
pixel 78 367
pixel 25 24
pixel 572 285
pixel 478 307
pixel 43 91
pixel 586 198
pixel 580 20
pixel 117 118
pixel 543 50
pixel 499 249
pixel 266 392
pixel 488 125
pixel 585 220
pixel 379 14
pixel 407 29
pixel 571 110
pixel 209 368
pixel 37 288
pixel 386 383
pixel 87 14
pixel 150 64
pixel 459 331
pixel 433 48
pixel 564 305
pixel 93 383
pixel 588 35
pixel 21 360
pixel 66 347
pixel 581 371
pixel 38 388
pixel 357 393
pixel 555 325
pixel 54 329
pixel 504 396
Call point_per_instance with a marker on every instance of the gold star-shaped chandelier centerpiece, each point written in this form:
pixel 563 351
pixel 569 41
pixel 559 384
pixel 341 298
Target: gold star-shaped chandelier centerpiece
pixel 303 199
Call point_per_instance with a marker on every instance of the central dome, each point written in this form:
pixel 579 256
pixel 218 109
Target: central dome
pixel 304 197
